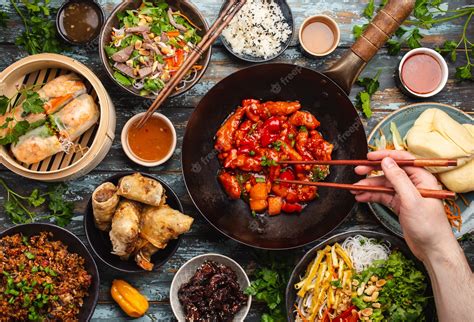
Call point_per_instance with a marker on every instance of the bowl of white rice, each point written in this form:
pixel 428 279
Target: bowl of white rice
pixel 260 31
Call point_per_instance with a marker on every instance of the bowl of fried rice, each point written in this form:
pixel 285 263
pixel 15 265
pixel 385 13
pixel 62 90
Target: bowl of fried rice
pixel 47 274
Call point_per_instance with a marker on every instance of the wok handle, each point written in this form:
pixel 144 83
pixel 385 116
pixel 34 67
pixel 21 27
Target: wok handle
pixel 346 70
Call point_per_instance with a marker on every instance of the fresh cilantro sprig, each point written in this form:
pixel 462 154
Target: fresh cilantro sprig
pixel 370 85
pixel 32 104
pixel 40 33
pixel 268 286
pixel 426 14
pixel 19 207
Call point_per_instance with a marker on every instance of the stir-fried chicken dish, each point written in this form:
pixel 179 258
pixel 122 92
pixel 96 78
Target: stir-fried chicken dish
pixel 253 142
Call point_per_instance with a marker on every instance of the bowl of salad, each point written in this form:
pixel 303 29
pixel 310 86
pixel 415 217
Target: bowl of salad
pixel 359 276
pixel 142 45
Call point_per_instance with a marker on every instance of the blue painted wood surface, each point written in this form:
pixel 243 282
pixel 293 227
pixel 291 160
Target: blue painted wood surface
pixel 203 238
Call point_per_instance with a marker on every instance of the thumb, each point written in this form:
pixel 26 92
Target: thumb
pixel 400 180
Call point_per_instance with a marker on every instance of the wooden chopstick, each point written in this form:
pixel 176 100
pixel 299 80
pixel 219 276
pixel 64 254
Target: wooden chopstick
pixel 426 193
pixel 221 22
pixel 376 163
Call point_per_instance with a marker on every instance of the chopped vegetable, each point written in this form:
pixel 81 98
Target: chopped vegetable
pixel 396 138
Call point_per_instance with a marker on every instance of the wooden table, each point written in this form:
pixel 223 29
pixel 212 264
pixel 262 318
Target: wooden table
pixel 203 238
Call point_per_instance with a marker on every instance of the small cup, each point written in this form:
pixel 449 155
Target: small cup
pixel 329 22
pixel 128 151
pixel 444 72
pixel 62 32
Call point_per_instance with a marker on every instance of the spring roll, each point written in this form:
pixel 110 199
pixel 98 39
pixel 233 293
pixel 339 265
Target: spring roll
pixel 72 121
pixel 142 189
pixel 125 228
pixel 159 225
pixel 56 94
pixel 36 145
pixel 76 117
pixel 104 203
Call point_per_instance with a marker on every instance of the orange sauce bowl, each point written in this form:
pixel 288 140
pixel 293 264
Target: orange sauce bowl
pixel 319 35
pixel 151 145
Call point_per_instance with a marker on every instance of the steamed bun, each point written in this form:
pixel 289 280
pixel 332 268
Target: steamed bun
pixel 436 135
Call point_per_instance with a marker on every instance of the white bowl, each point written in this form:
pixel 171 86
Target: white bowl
pixel 184 274
pixel 439 59
pixel 132 156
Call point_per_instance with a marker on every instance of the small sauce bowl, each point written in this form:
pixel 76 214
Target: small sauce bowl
pixel 319 35
pixel 71 9
pixel 127 146
pixel 423 68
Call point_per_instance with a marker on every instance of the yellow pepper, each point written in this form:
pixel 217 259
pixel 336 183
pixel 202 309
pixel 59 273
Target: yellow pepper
pixel 130 300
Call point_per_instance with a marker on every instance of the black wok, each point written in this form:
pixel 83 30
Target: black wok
pixel 324 95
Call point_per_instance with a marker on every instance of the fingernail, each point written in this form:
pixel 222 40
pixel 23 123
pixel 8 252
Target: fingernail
pixel 388 163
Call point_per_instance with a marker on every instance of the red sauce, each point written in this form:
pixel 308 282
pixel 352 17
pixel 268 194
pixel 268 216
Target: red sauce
pixel 421 73
pixel 152 141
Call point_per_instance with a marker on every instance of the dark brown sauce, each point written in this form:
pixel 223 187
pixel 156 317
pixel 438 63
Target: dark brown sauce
pixel 421 73
pixel 152 141
pixel 317 37
pixel 80 22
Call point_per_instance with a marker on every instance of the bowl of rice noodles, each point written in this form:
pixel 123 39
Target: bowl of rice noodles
pixel 359 276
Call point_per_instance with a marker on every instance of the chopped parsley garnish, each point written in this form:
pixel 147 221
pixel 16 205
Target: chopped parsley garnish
pixel 277 145
pixel 29 255
pixel 266 162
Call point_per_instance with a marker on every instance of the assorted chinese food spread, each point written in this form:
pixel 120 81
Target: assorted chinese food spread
pixel 137 218
pixel 212 294
pixel 253 144
pixel 150 45
pixel 360 280
pixel 41 280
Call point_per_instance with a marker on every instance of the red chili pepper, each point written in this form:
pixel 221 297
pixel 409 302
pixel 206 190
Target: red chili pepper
pixel 179 57
pixel 246 148
pixel 291 207
pixel 270 131
pixel 287 175
pixel 346 315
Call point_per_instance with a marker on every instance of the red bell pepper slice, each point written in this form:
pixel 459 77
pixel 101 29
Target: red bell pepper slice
pixel 291 207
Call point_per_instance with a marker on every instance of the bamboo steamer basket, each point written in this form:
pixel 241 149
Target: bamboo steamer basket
pixel 95 142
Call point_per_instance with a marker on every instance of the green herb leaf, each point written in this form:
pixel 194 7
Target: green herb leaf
pixel 33 103
pixel 29 255
pixel 369 9
pixel 266 162
pixel 336 283
pixel 413 41
pixel 61 210
pixel 464 72
pixel 260 180
pixel 363 99
pixel 394 47
pixel 358 30
pixel 35 199
pixel 4 102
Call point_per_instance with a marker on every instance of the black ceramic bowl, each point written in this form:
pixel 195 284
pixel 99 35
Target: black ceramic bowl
pixel 286 11
pixel 395 243
pixel 100 240
pixel 62 33
pixel 74 245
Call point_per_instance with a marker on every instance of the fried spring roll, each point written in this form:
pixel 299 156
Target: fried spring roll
pixel 125 228
pixel 142 189
pixel 104 203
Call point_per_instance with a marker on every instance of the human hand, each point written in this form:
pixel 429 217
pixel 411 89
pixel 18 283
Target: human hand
pixel 425 226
